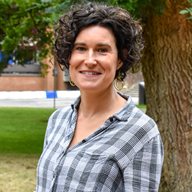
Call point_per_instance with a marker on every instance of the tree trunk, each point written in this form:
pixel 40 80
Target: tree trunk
pixel 167 71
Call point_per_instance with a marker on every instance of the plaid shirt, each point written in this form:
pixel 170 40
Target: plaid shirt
pixel 124 155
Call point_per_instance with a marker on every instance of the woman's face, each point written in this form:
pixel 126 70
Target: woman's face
pixel 94 59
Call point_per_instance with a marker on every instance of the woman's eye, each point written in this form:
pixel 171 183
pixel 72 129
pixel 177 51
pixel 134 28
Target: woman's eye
pixel 102 50
pixel 80 48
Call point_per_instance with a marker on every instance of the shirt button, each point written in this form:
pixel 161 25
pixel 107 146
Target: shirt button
pixel 111 119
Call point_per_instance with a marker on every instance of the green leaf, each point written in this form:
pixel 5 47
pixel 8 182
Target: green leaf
pixel 184 12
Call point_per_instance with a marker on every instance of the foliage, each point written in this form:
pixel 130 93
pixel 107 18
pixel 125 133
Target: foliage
pixel 187 10
pixel 28 24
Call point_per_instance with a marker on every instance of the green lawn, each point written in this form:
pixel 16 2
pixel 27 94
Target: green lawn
pixel 22 129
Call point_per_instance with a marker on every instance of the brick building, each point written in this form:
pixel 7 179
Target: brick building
pixel 28 77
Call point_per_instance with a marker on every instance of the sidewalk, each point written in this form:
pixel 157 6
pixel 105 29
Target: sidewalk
pixel 37 94
pixel 40 98
pixel 48 99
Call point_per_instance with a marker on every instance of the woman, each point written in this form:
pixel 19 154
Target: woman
pixel 102 143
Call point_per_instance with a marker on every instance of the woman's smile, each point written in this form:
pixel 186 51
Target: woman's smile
pixel 90 73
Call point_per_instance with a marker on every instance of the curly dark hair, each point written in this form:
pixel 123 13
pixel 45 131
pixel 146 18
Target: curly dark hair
pixel 127 32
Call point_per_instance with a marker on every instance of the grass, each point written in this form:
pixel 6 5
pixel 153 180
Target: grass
pixel 21 139
pixel 142 107
pixel 22 130
pixel 17 173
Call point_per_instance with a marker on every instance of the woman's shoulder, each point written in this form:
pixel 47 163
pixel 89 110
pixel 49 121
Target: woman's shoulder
pixel 59 117
pixel 142 122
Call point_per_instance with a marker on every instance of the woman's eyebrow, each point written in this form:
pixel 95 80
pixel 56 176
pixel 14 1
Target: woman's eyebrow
pixel 101 44
pixel 104 44
pixel 79 43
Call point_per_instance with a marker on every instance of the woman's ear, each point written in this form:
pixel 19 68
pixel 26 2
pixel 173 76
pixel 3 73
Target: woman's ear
pixel 119 64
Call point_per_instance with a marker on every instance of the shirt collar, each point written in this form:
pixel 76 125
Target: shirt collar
pixel 76 104
pixel 121 115
pixel 124 113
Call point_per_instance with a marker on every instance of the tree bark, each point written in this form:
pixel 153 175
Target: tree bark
pixel 167 71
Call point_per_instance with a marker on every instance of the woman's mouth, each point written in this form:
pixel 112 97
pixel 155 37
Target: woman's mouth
pixel 90 72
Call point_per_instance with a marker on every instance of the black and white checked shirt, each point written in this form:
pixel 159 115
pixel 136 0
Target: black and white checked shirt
pixel 124 155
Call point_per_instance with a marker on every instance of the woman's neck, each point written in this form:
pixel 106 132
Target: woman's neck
pixel 101 103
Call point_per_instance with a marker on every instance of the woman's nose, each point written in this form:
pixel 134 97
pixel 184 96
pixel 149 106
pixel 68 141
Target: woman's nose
pixel 90 59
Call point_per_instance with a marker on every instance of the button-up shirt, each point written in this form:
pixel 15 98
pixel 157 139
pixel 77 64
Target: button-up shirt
pixel 125 154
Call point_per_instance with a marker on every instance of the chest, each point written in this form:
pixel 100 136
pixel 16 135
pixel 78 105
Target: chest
pixel 84 128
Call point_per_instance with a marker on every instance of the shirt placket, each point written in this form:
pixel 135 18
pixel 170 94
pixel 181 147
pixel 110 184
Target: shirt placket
pixel 66 141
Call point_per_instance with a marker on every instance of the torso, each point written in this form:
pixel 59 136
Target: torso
pixel 82 167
